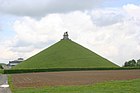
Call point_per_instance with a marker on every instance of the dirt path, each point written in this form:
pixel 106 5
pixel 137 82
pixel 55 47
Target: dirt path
pixel 72 77
pixel 3 84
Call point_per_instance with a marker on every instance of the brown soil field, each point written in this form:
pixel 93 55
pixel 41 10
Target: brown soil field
pixel 71 77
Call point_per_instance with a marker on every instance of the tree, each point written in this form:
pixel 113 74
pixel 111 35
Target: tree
pixel 138 63
pixel 126 64
pixel 131 63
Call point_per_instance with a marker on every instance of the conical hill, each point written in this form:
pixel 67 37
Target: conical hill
pixel 65 54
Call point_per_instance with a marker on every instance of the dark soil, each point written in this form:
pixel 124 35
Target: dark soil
pixel 71 77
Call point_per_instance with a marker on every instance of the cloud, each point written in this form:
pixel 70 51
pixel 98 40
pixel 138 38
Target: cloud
pixel 112 33
pixel 5 50
pixel 107 16
pixel 39 8
pixel 132 10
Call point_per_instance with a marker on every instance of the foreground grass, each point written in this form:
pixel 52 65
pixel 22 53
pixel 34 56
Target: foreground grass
pixel 130 86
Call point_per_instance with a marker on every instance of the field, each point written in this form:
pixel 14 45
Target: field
pixel 127 86
pixel 70 78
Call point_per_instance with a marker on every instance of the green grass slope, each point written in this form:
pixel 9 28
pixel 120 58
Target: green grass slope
pixel 65 54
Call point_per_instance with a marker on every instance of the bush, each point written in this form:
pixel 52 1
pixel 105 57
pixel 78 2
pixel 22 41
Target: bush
pixel 11 71
pixel 138 63
pixel 132 63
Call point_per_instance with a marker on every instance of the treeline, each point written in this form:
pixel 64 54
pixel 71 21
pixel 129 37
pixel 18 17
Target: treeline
pixel 132 63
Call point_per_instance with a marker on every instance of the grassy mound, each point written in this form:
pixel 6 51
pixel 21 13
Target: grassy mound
pixel 65 54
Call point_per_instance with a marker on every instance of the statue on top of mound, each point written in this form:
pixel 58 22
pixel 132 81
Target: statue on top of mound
pixel 65 36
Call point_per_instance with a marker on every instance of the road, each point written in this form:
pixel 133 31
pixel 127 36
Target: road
pixel 3 81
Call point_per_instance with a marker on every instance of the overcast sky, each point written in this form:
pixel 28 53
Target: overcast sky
pixel 111 28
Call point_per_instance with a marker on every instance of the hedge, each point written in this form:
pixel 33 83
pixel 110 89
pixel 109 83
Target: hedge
pixel 12 71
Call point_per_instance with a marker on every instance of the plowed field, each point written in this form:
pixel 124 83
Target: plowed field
pixel 71 77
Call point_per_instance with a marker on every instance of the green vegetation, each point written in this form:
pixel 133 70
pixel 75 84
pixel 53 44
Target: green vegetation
pixel 1 71
pixel 129 86
pixel 65 54
pixel 12 71
pixel 132 63
pixel 10 82
pixel 0 66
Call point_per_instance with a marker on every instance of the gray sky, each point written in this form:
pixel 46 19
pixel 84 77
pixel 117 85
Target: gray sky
pixel 108 27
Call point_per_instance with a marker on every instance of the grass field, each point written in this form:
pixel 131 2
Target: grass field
pixel 65 54
pixel 129 86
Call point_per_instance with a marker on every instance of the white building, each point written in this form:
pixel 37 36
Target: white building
pixel 15 62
